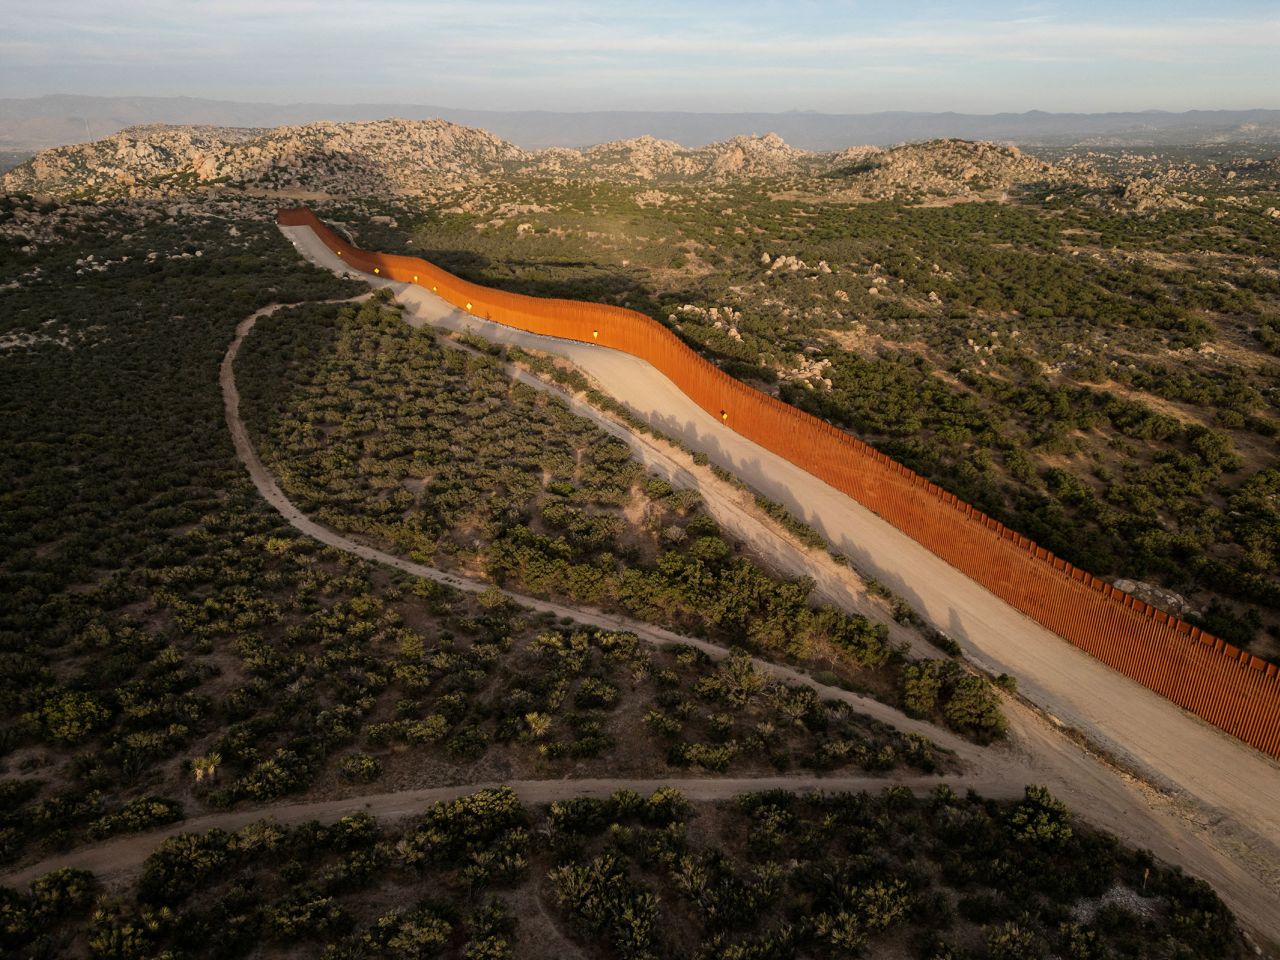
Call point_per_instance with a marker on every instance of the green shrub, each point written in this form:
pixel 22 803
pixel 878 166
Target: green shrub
pixel 921 684
pixel 73 716
pixel 360 768
pixel 1040 820
pixel 139 814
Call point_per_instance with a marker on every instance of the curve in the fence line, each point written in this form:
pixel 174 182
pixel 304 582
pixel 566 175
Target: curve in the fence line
pixel 1220 683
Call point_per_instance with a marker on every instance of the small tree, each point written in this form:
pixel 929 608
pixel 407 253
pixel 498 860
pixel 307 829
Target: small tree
pixel 974 708
pixel 1040 819
pixel 921 684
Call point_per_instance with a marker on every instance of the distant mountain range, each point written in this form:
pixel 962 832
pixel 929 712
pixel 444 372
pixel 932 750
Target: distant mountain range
pixel 27 125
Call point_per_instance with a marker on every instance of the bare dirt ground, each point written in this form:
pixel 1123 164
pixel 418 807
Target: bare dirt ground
pixel 1200 797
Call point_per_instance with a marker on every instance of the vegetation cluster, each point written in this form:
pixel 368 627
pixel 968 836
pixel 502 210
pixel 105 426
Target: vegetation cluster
pixel 769 875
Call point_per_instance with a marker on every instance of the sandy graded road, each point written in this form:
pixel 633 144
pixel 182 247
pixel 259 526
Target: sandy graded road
pixel 116 859
pixel 1223 790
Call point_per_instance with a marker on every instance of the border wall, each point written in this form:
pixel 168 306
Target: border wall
pixel 1228 687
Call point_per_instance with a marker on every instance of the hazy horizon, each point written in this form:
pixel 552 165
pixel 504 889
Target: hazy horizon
pixel 988 57
pixel 365 102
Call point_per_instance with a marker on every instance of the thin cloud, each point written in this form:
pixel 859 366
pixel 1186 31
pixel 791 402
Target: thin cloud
pixel 579 54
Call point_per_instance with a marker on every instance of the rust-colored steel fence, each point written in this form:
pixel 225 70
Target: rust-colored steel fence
pixel 1226 686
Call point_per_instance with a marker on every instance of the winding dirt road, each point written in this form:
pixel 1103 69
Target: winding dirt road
pixel 118 859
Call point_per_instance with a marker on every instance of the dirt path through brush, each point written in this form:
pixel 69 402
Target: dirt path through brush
pixel 119 858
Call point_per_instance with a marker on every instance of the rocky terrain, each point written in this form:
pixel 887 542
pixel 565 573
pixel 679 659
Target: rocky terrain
pixel 404 157
pixel 389 158
pixel 646 158
pixel 953 168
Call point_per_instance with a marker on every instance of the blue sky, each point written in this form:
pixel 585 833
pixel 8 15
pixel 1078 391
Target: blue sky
pixel 852 57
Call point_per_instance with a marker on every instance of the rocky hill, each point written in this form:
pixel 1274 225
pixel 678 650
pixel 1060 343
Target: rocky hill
pixel 949 168
pixel 646 158
pixel 384 157
pixel 402 157
pixel 387 156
